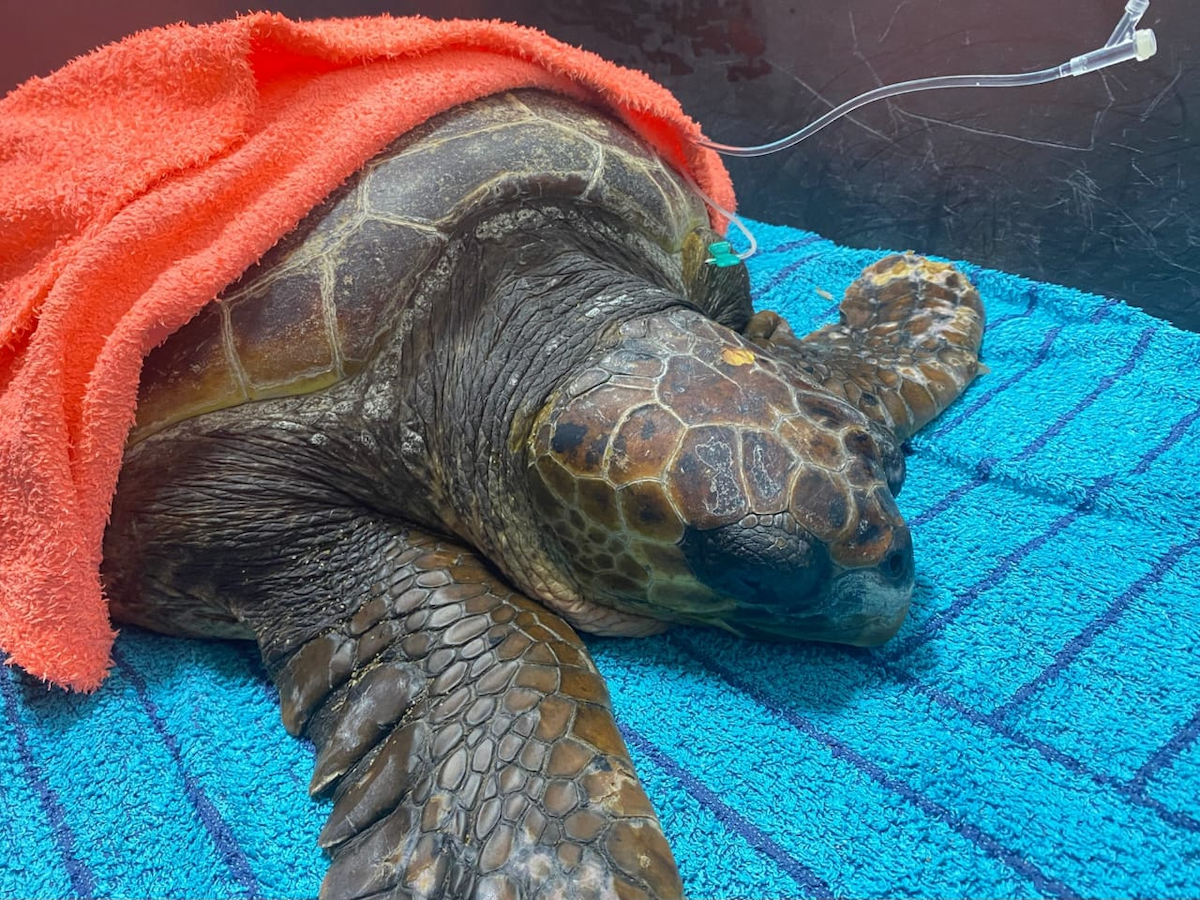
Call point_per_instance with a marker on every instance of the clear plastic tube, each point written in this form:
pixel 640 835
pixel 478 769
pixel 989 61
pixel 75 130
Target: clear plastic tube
pixel 1134 10
pixel 1125 44
pixel 882 93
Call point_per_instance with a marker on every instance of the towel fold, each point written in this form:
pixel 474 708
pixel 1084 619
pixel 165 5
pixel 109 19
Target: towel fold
pixel 138 181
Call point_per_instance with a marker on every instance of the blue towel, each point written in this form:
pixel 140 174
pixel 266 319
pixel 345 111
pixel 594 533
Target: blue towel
pixel 1032 731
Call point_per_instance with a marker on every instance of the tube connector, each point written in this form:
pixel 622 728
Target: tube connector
pixel 722 255
pixel 1140 45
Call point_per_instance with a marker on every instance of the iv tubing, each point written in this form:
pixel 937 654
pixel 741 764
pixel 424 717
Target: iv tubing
pixel 730 217
pixel 1125 44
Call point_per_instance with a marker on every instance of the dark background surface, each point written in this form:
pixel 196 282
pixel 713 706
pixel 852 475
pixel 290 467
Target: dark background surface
pixel 1092 182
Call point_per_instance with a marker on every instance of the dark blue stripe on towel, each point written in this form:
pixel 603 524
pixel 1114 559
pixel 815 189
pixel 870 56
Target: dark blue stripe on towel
pixel 224 840
pixel 986 465
pixel 788 246
pixel 983 473
pixel 986 397
pixel 997 574
pixel 1131 792
pixel 1083 640
pixel 1173 437
pixel 1165 755
pixel 83 884
pixel 1031 304
pixel 977 836
pixel 782 275
pixel 729 817
pixel 1086 505
pixel 1105 383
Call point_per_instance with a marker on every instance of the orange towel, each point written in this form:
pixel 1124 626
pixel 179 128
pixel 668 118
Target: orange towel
pixel 138 181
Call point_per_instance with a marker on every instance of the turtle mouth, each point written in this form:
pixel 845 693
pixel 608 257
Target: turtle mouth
pixel 862 608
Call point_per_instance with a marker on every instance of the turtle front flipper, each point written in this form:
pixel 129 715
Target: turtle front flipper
pixel 905 347
pixel 466 737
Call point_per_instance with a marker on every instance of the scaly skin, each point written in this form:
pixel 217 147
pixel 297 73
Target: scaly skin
pixel 690 476
pixel 467 738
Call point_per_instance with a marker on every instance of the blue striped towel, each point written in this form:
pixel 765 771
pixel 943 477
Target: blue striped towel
pixel 1032 731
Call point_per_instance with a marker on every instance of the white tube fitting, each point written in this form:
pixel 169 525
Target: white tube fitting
pixel 1144 43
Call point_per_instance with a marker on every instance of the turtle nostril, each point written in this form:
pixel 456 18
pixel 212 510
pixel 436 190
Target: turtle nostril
pixel 897 565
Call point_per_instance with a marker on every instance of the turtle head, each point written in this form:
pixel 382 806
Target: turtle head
pixel 684 474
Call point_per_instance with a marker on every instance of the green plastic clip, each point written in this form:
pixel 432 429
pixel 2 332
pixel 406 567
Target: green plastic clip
pixel 723 255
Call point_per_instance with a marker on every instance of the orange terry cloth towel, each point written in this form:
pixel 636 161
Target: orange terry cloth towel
pixel 138 181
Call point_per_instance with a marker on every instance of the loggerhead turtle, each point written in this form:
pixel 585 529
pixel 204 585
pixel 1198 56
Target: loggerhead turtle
pixel 492 389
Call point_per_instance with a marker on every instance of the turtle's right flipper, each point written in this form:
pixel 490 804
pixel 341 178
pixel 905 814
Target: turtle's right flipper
pixel 465 735
pixel 905 347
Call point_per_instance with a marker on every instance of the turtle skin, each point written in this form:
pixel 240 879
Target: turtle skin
pixel 490 392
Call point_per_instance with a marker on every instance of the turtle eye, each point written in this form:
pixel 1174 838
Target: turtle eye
pixel 881 450
pixel 892 457
pixel 766 563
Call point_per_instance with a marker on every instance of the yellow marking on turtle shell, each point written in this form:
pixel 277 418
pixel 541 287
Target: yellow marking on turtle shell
pixel 898 269
pixel 737 356
pixel 931 268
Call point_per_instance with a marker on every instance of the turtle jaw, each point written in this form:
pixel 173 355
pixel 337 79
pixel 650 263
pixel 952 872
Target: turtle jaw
pixel 861 609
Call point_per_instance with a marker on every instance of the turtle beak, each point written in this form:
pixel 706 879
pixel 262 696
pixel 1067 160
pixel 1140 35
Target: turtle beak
pixel 785 587
pixel 861 610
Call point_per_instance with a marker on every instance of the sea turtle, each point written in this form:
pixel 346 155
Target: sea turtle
pixel 492 389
